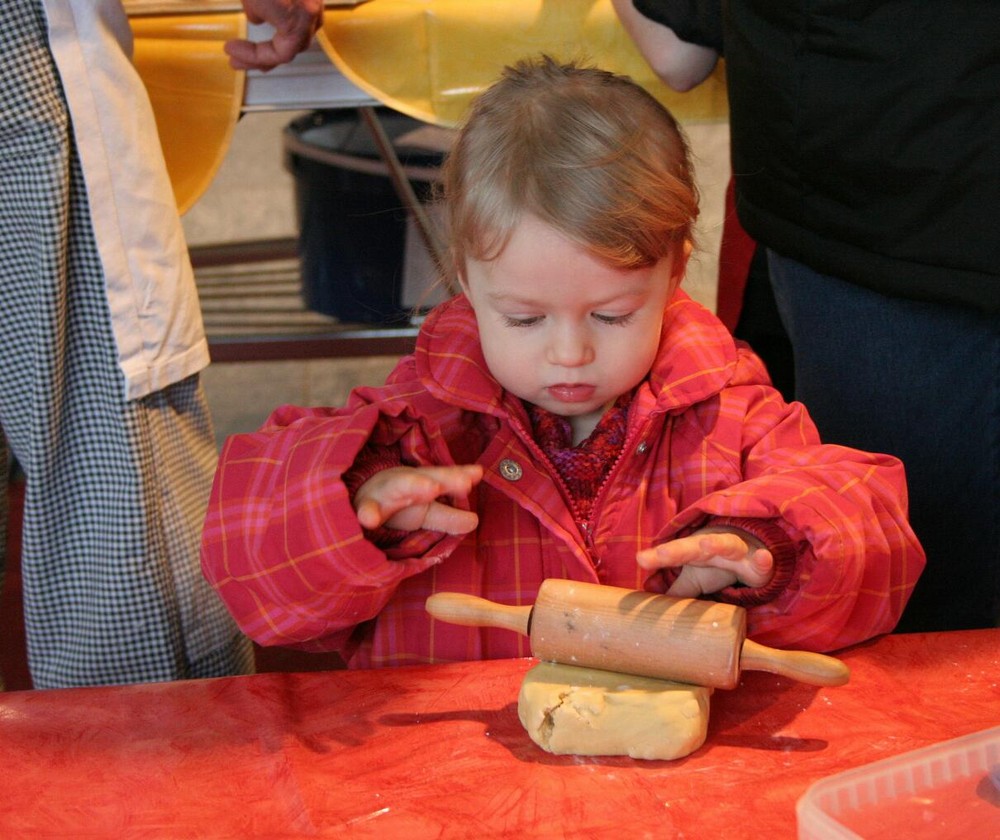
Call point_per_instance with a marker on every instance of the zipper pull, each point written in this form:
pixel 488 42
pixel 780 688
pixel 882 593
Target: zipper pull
pixel 588 541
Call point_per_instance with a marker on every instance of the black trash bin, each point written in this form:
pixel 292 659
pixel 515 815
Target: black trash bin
pixel 352 223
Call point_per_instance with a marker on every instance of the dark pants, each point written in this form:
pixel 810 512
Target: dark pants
pixel 760 326
pixel 920 381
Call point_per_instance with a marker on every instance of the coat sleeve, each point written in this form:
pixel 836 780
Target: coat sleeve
pixel 856 557
pixel 281 542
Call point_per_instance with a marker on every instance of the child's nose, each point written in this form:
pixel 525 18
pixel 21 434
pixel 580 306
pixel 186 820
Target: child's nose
pixel 571 347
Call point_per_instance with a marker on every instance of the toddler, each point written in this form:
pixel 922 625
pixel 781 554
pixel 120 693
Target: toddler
pixel 570 413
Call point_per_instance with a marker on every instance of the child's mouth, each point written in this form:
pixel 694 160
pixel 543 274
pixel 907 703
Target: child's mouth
pixel 568 393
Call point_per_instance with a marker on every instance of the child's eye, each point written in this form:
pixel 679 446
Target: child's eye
pixel 615 320
pixel 511 321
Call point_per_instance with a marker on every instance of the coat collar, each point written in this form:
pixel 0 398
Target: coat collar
pixel 696 358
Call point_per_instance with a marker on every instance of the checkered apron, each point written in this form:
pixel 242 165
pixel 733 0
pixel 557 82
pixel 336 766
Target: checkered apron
pixel 116 490
pixel 4 505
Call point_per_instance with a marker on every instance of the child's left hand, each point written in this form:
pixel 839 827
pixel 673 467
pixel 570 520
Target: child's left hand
pixel 711 559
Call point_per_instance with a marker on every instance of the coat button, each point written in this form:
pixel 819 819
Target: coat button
pixel 642 448
pixel 511 470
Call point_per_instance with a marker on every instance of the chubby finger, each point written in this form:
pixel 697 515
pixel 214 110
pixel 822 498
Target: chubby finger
pixel 425 485
pixel 678 552
pixel 759 568
pixel 702 549
pixel 695 581
pixel 445 518
pixel 709 562
pixel 369 514
pixel 684 588
pixel 455 480
pixel 722 546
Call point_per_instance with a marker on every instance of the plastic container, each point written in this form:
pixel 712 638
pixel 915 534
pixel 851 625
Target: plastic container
pixel 948 790
pixel 352 224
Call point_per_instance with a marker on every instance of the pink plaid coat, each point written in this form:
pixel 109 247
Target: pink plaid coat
pixel 707 438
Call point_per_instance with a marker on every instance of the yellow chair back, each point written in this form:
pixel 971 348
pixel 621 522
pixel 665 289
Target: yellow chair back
pixel 425 58
pixel 196 95
pixel 429 58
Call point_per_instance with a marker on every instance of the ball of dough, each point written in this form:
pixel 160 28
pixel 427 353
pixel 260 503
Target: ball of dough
pixel 570 710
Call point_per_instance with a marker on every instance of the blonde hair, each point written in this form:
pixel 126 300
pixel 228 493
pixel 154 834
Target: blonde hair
pixel 586 151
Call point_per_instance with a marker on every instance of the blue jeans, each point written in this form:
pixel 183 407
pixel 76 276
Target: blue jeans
pixel 920 381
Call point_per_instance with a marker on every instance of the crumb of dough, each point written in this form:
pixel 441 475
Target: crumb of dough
pixel 570 710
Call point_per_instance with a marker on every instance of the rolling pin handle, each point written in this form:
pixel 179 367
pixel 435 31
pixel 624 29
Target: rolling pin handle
pixel 801 665
pixel 472 611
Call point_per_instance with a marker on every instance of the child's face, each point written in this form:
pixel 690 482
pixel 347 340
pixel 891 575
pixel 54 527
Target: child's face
pixel 563 330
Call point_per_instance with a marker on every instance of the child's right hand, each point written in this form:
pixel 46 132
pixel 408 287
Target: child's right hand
pixel 407 499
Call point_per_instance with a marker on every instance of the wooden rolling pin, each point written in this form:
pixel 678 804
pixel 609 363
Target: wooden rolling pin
pixel 632 632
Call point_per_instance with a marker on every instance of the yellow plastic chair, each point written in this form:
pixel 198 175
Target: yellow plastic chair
pixel 429 58
pixel 196 95
pixel 425 58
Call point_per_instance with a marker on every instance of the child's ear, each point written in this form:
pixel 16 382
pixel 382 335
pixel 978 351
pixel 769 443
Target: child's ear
pixel 679 267
pixel 680 262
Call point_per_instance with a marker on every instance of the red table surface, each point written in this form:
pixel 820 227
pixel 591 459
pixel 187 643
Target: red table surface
pixel 438 751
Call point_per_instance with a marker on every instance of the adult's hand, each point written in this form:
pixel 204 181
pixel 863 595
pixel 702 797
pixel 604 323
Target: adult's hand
pixel 294 21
